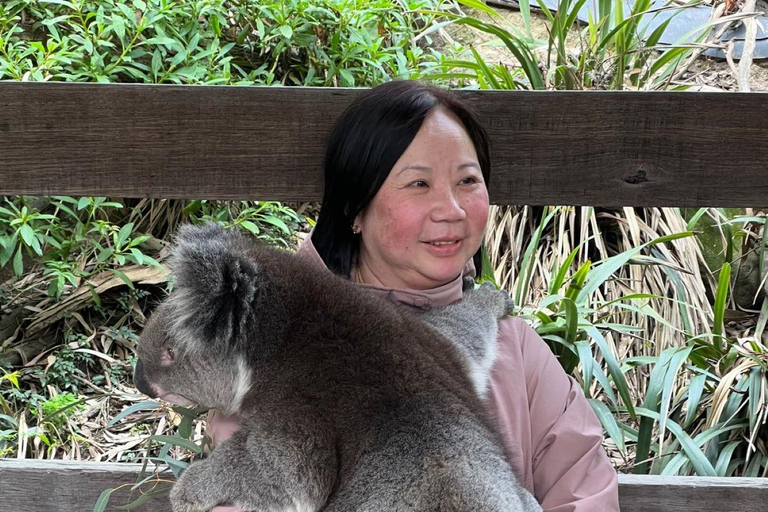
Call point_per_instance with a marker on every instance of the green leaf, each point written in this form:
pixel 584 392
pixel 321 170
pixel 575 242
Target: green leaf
pixel 168 42
pixel 101 503
pixel 118 25
pixel 65 3
pixel 585 358
pixel 250 226
pixel 724 459
pixel 157 62
pixel 123 235
pixel 286 30
pixel 94 295
pixel 185 427
pixel 697 458
pixel 699 440
pixel 10 420
pixel 678 359
pixel 276 221
pixel 721 297
pixel 480 6
pixel 487 274
pixel 151 261
pixel 614 368
pixel 347 79
pixel 28 235
pixel 18 266
pixel 141 406
pixel 138 255
pixel 122 277
pixel 104 254
pixel 152 493
pixel 177 441
pixel 608 421
pixel 695 389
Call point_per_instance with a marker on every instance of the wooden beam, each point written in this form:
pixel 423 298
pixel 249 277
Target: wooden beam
pixel 577 148
pixel 650 493
pixel 66 486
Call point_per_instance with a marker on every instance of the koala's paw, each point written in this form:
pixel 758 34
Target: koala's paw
pixel 489 298
pixel 184 497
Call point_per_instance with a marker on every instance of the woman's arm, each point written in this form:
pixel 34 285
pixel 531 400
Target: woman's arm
pixel 553 435
pixel 221 427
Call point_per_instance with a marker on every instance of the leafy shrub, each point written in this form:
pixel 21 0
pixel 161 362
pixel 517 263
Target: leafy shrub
pixel 265 42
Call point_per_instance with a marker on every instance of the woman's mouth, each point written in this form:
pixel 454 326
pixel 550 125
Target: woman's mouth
pixel 443 247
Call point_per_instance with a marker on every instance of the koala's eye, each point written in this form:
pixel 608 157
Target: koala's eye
pixel 170 354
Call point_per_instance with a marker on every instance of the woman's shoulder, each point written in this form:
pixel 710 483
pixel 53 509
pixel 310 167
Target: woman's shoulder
pixel 518 337
pixel 523 356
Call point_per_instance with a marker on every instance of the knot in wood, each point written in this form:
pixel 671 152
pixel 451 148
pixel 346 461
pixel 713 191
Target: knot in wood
pixel 639 177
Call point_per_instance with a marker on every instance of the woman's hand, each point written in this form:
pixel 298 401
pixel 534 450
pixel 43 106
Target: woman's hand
pixel 220 428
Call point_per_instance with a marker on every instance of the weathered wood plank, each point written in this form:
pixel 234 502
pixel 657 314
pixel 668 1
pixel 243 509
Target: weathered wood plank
pixel 67 486
pixel 44 486
pixel 646 493
pixel 217 142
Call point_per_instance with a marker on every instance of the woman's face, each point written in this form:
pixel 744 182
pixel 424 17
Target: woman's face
pixel 428 218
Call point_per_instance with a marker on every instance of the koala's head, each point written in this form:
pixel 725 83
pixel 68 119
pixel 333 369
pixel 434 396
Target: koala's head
pixel 201 342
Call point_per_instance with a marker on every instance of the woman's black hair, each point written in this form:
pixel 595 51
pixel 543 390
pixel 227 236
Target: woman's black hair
pixel 365 143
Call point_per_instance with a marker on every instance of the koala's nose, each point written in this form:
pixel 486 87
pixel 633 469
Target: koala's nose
pixel 139 381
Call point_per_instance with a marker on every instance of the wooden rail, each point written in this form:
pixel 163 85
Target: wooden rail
pixel 223 142
pixel 572 148
pixel 61 486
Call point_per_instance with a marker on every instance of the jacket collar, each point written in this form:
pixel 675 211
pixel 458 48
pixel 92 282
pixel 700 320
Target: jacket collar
pixel 420 299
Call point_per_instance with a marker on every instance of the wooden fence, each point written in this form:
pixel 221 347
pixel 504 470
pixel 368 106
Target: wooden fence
pixel 565 148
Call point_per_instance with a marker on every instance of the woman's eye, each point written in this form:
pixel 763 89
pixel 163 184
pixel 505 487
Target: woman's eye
pixel 419 184
pixel 469 180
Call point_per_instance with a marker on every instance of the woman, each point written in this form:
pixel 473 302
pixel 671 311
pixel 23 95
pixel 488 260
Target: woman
pixel 403 213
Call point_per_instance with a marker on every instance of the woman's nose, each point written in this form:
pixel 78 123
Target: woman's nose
pixel 446 207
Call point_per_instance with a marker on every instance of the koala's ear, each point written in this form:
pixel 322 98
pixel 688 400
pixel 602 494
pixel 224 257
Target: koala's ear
pixel 216 284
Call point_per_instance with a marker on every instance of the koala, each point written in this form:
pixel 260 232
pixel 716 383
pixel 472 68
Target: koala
pixel 346 402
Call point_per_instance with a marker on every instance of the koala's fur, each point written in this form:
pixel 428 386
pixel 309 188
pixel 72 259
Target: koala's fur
pixel 347 403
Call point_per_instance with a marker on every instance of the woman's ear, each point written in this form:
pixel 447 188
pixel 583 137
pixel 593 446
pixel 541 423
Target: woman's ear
pixel 357 224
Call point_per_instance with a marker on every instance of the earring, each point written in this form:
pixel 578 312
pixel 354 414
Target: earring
pixel 356 229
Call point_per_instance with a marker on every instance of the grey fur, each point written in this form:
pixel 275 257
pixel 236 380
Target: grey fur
pixel 472 326
pixel 347 403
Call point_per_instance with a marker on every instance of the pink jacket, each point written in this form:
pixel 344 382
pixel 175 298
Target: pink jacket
pixel 553 437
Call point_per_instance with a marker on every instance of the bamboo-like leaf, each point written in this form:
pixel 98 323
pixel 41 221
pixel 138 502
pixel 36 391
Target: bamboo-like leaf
pixel 692 451
pixel 678 359
pixel 724 459
pixel 756 400
pixel 695 389
pixel 177 441
pixel 123 277
pixel 480 6
pixel 651 402
pixel 103 501
pixel 721 297
pixel 141 406
pixel 614 368
pixel 585 358
pixel 609 423
pixel 557 282
pixel 699 440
